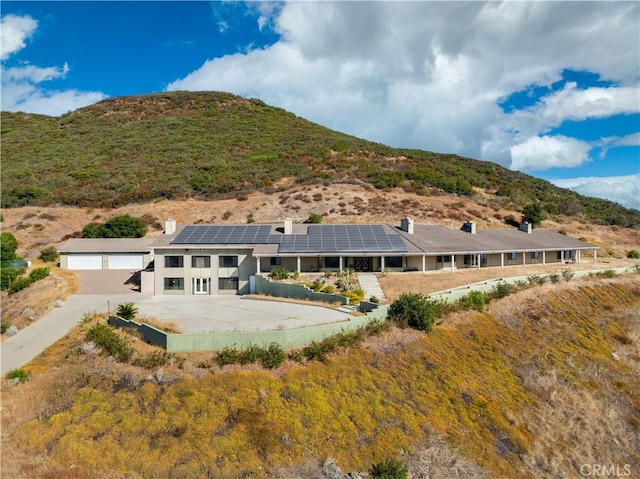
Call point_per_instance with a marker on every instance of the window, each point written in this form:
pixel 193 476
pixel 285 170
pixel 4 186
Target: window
pixel 228 261
pixel 228 283
pixel 201 261
pixel 173 261
pixel 483 258
pixel 332 262
pixel 513 256
pixel 535 254
pixel 174 284
pixel 276 261
pixel 444 259
pixel 393 261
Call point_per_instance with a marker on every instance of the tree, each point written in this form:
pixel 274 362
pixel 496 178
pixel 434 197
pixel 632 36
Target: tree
pixel 123 226
pixel 314 218
pixel 534 214
pixel 390 469
pixel 127 310
pixel 8 245
pixel 49 254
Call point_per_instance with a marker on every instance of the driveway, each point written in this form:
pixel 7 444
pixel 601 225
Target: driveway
pixel 192 314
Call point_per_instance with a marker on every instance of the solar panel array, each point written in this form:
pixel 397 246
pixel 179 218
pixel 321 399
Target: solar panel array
pixel 237 234
pixel 343 239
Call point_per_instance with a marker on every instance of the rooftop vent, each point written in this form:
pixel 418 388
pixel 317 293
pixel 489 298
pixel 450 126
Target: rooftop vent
pixel 288 226
pixel 169 226
pixel 526 227
pixel 469 227
pixel 406 225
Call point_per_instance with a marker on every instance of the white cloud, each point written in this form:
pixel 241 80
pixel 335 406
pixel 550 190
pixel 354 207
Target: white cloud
pixel 621 189
pixel 14 31
pixel 22 86
pixel 430 74
pixel 543 152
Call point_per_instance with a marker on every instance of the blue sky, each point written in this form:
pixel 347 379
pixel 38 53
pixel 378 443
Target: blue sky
pixel 548 88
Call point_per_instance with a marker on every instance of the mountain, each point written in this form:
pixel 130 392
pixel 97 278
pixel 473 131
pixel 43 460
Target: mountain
pixel 212 145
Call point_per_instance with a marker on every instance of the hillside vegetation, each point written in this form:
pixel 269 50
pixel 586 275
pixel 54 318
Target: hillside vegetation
pixel 212 145
pixel 539 384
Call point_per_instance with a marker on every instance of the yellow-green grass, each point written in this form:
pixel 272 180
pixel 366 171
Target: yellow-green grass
pixel 468 383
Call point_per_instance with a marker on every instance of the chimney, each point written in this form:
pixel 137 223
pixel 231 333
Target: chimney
pixel 169 226
pixel 526 227
pixel 406 225
pixel 469 227
pixel 288 226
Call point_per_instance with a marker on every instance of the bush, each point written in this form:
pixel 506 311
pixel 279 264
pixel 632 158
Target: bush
pixel 389 469
pixel 555 278
pixel 473 300
pixel 20 375
pixel 633 254
pixel 4 325
pixel 153 360
pixel 535 280
pixel 501 290
pixel 122 226
pixel 252 354
pixel 20 284
pixel 280 273
pixel 374 299
pixel 8 246
pixel 534 214
pixel 414 310
pixel 49 254
pixel 567 274
pixel 8 276
pixel 273 356
pixel 227 356
pixel 39 273
pixel 127 310
pixel 107 338
pixel 314 218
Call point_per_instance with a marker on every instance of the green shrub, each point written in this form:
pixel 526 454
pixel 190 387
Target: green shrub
pixel 4 325
pixel 20 375
pixel 501 290
pixel 414 310
pixel 377 327
pixel 252 354
pixel 607 273
pixel 107 338
pixel 8 276
pixel 280 273
pixel 8 246
pixel 317 285
pixel 153 360
pixel 374 299
pixel 567 274
pixel 227 356
pixel 314 218
pixel 535 280
pixel 633 254
pixel 20 284
pixel 390 469
pixel 127 310
pixel 49 254
pixel 122 226
pixel 273 356
pixel 473 300
pixel 38 273
pixel 555 278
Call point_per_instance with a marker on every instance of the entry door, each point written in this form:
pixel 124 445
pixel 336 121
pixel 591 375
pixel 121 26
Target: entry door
pixel 200 285
pixel 362 264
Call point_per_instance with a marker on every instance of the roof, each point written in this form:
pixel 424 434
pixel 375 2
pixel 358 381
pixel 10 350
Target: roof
pixel 106 245
pixel 362 239
pixel 436 239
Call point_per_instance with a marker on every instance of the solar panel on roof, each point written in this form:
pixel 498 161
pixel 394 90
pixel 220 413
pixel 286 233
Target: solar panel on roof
pixel 238 234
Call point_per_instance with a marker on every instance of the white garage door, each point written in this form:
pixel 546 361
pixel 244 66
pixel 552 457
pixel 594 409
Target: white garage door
pixel 126 261
pixel 84 261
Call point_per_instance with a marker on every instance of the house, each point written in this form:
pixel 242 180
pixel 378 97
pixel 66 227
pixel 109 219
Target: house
pixel 220 259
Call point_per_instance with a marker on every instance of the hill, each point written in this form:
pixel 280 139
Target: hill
pixel 539 385
pixel 216 145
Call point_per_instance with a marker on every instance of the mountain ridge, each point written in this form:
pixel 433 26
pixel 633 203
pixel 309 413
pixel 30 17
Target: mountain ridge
pixel 211 145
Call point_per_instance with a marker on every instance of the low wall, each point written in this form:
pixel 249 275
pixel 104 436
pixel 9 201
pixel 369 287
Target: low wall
pixel 287 338
pixel 294 291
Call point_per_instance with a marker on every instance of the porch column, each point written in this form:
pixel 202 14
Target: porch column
pixel 453 263
pixel 257 264
pixel 524 258
pixel 381 263
pixel 595 255
pixel 544 257
pixel 298 264
pixel 578 256
pixel 340 264
pixel 424 264
pixel 478 261
pixel 562 256
pixel 502 260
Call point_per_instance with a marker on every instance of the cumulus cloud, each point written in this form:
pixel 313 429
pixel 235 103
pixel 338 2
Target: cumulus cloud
pixel 544 152
pixel 431 75
pixel 621 189
pixel 22 86
pixel 14 31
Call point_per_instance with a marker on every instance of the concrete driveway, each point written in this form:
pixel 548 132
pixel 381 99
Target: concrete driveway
pixel 192 314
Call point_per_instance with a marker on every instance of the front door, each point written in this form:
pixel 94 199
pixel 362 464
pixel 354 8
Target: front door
pixel 200 285
pixel 362 264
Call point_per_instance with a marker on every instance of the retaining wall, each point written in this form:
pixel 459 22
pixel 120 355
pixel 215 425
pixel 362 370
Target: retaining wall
pixel 295 291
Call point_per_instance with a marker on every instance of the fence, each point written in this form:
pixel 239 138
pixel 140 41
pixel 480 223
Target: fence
pixel 287 338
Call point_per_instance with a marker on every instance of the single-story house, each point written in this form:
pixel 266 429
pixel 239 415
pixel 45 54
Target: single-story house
pixel 220 259
pixel 133 254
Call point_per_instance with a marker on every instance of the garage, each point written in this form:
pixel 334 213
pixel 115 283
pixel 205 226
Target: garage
pixel 133 262
pixel 84 261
